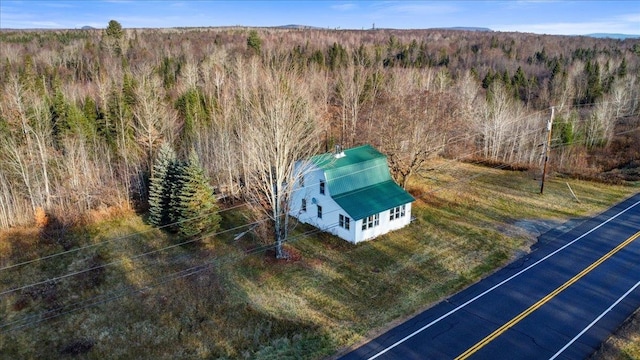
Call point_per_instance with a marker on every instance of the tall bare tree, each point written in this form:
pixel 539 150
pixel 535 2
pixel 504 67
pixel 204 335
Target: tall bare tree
pixel 154 119
pixel 351 92
pixel 278 128
pixel 412 123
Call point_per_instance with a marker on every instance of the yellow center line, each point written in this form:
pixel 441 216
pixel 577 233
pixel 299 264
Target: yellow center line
pixel 472 350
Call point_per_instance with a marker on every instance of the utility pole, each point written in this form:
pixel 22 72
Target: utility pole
pixel 547 148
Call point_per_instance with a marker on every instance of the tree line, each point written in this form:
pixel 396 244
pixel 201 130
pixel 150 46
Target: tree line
pixel 102 118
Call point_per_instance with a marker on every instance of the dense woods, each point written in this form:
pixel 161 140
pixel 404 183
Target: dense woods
pixel 84 113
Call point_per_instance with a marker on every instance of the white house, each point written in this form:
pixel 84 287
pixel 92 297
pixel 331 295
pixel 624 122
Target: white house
pixel 350 194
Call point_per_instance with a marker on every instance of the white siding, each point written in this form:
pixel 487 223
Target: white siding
pixel 385 225
pixel 331 211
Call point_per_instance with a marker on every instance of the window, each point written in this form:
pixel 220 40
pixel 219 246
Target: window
pixel 397 212
pixel 371 221
pixel 303 207
pixel 301 181
pixel 319 212
pixel 344 222
pixel 322 187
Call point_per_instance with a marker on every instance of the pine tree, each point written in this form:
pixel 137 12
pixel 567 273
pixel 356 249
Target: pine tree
pixel 114 30
pixel 196 209
pixel 622 69
pixel 114 35
pixel 59 115
pixel 193 110
pixel 160 185
pixel 254 42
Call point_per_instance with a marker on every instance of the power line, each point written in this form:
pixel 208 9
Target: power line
pixel 152 229
pixel 97 300
pixel 53 279
pixel 189 271
pixel 114 295
pixel 153 251
pixel 47 257
pixel 198 268
pixel 207 214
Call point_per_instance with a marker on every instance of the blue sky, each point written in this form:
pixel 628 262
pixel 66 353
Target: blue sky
pixel 536 16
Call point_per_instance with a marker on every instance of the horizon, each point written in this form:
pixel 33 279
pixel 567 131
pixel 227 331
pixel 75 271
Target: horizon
pixel 532 16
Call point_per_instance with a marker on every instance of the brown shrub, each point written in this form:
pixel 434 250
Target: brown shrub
pixel 41 217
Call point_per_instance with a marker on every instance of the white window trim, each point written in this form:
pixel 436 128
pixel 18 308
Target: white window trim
pixel 370 221
pixel 344 222
pixel 397 212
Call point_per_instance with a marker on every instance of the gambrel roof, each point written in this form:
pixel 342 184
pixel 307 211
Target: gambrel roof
pixel 360 182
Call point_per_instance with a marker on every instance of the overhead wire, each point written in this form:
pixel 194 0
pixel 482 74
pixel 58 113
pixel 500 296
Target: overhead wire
pixel 195 269
pixel 199 268
pixel 57 278
pixel 103 298
pixel 130 235
pixel 140 255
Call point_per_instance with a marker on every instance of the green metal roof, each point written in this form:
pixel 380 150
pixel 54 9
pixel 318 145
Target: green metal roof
pixel 373 199
pixel 360 181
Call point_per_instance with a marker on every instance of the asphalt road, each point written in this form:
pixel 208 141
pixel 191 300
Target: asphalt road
pixel 561 301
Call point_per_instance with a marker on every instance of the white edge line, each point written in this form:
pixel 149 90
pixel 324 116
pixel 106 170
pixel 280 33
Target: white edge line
pixel 499 284
pixel 595 321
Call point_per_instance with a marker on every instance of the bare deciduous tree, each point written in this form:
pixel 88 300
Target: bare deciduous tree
pixel 278 128
pixel 412 124
pixel 154 119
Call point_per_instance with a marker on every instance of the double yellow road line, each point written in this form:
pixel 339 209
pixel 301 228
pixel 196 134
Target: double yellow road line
pixel 472 350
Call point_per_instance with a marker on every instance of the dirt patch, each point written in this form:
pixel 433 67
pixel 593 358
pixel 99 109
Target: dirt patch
pixel 538 231
pixel 291 255
pixel 530 229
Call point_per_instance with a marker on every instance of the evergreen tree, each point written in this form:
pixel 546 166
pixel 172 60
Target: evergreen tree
pixel 114 30
pixel 193 110
pixel 114 35
pixel 622 69
pixel 520 84
pixel 59 119
pixel 159 187
pixel 594 84
pixel 196 209
pixel 488 79
pixel 254 42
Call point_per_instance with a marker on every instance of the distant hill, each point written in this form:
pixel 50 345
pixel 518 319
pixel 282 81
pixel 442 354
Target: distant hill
pixel 614 36
pixel 87 27
pixel 299 27
pixel 466 28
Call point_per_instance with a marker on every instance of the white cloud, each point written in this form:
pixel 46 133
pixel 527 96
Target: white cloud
pixel 420 8
pixel 344 7
pixel 632 18
pixel 572 28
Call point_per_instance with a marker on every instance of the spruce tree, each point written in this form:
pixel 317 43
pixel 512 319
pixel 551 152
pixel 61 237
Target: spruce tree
pixel 196 209
pixel 114 30
pixel 160 185
pixel 254 42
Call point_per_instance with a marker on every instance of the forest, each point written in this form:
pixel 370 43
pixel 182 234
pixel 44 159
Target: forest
pixel 84 113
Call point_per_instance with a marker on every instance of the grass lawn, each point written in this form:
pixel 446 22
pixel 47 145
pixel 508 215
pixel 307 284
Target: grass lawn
pixel 469 221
